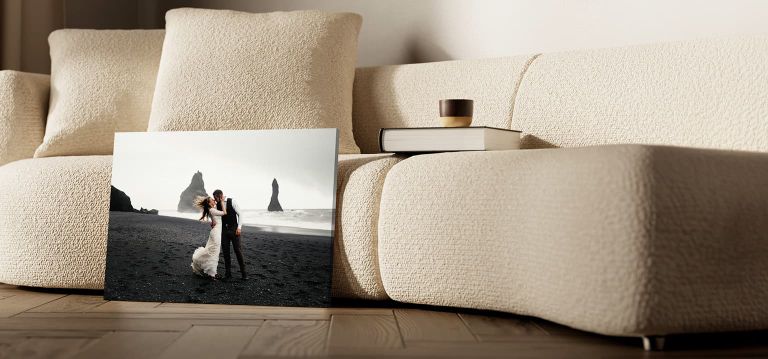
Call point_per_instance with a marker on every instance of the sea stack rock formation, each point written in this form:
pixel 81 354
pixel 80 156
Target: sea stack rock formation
pixel 274 203
pixel 196 188
pixel 119 201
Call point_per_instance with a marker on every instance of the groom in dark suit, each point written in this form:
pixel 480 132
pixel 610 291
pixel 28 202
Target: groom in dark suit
pixel 230 233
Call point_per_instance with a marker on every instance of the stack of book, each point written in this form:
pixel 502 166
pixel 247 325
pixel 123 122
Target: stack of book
pixel 447 139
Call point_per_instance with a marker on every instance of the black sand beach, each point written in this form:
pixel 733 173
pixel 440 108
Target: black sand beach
pixel 149 259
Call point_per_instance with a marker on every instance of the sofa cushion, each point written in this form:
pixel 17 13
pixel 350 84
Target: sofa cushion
pixel 23 106
pixel 355 258
pixel 228 70
pixel 620 240
pixel 101 83
pixel 408 95
pixel 54 223
pixel 704 93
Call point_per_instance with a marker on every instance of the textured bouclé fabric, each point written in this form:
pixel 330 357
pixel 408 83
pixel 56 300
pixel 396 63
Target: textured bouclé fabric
pixel 53 221
pixel 619 240
pixel 228 70
pixel 355 257
pixel 101 83
pixel 23 106
pixel 706 93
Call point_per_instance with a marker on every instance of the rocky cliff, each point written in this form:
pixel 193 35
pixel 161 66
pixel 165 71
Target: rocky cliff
pixel 196 188
pixel 119 201
pixel 274 203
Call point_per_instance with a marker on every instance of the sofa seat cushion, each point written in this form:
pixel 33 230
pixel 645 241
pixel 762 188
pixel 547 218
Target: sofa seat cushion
pixel 54 222
pixel 355 258
pixel 620 240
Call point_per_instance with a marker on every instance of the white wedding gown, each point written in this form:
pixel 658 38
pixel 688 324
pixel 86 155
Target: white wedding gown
pixel 205 260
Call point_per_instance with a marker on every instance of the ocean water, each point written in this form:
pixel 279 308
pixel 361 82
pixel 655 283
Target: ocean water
pixel 321 219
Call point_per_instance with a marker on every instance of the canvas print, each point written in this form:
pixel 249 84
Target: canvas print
pixel 229 217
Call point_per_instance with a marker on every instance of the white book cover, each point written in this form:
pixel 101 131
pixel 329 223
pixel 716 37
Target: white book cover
pixel 446 139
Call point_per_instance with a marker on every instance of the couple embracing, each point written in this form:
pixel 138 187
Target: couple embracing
pixel 226 227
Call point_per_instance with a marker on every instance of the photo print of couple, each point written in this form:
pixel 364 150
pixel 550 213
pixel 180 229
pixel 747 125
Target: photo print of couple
pixel 226 217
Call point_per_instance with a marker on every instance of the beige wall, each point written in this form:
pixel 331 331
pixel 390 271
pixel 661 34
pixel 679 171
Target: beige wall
pixel 405 31
pixel 26 25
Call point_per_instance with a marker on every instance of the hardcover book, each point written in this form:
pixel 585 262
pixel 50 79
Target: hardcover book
pixel 447 139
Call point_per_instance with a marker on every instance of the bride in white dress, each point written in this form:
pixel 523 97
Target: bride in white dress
pixel 205 260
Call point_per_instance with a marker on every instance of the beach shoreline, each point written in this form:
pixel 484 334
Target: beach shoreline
pixel 289 230
pixel 297 221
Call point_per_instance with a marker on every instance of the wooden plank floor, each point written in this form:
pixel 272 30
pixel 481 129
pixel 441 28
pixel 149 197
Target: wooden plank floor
pixel 61 324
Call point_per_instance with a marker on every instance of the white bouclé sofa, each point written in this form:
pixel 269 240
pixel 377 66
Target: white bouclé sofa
pixel 638 207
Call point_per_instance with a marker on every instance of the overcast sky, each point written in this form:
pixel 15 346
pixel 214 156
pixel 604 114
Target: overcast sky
pixel 154 168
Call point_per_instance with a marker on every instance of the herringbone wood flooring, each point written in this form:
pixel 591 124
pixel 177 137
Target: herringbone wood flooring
pixel 71 324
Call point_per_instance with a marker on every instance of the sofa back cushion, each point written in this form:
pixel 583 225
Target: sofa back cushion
pixel 707 93
pixel 101 83
pixel 408 95
pixel 228 70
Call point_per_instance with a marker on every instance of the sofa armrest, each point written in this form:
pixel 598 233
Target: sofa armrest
pixel 23 110
pixel 619 240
